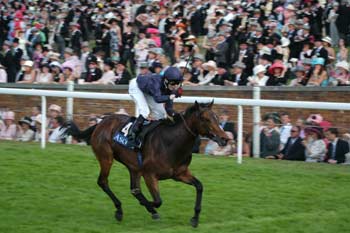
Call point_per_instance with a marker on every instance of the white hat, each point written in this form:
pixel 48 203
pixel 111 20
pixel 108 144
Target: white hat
pixel 285 42
pixel 38 118
pixel 28 63
pixel 8 115
pixel 327 39
pixel 55 107
pixel 290 7
pixel 343 64
pixel 258 69
pixel 183 64
pixel 210 64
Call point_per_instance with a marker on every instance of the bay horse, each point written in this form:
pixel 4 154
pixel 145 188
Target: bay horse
pixel 166 151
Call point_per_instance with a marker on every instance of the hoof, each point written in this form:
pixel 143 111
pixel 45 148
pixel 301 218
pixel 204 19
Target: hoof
pixel 119 215
pixel 155 216
pixel 194 222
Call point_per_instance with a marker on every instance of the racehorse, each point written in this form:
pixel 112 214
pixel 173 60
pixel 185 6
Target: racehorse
pixel 166 154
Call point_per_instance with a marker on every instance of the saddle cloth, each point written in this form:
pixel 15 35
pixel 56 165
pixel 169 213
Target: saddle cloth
pixel 121 137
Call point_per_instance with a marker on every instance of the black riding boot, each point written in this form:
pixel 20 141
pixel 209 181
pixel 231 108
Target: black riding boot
pixel 136 129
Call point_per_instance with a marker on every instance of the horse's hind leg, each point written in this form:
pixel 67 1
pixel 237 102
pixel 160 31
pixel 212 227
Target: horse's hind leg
pixel 188 178
pixel 136 191
pixel 102 181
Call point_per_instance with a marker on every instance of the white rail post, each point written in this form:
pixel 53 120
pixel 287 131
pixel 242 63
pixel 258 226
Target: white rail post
pixel 43 122
pixel 256 124
pixel 69 106
pixel 240 134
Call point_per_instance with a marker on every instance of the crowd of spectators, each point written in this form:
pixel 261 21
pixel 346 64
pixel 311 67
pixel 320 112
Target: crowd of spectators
pixel 255 43
pixel 310 140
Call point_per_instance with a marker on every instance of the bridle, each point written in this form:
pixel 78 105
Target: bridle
pixel 186 126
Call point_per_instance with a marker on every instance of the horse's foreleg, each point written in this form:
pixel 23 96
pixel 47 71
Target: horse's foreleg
pixel 188 178
pixel 136 191
pixel 152 185
pixel 102 181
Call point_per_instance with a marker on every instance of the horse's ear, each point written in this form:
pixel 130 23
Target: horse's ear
pixel 196 105
pixel 211 104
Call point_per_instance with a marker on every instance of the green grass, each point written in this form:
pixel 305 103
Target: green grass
pixel 55 190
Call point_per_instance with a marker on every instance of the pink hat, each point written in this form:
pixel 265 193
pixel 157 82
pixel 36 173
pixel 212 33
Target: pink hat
pixel 55 107
pixel 275 66
pixel 9 115
pixel 152 31
pixel 315 118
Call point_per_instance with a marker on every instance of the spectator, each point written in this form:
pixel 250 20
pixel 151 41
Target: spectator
pixel 57 134
pixel 44 75
pixel 341 76
pixel 25 132
pixel 122 74
pixel 269 139
pixel 38 123
pixel 29 74
pixel 278 75
pixel 319 73
pixel 343 52
pixel 9 62
pixel 94 72
pixel 3 74
pixel 239 78
pixel 211 68
pixel 300 77
pixel 8 129
pixel 337 148
pixel 301 124
pixel 259 78
pixel 215 149
pixel 315 147
pixel 56 71
pixel 54 111
pixel 108 76
pixel 285 129
pixel 36 110
pixel 293 149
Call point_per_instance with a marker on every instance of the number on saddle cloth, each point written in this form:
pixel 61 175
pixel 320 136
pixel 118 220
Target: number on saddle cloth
pixel 121 137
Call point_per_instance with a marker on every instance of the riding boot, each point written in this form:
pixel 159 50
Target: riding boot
pixel 136 129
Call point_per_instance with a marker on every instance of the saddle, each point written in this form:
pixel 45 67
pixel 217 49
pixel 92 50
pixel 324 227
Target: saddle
pixel 121 136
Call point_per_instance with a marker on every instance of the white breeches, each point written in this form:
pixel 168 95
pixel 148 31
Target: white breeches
pixel 145 104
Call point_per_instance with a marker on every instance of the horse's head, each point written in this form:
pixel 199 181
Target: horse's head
pixel 207 123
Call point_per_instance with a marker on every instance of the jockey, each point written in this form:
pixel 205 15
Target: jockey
pixel 153 95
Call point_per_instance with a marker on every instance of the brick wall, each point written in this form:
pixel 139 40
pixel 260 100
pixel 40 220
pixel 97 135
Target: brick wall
pixel 83 107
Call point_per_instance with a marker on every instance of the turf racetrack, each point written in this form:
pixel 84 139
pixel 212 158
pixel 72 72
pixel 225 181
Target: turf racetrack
pixel 55 190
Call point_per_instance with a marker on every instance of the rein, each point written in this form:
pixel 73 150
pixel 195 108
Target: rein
pixel 186 126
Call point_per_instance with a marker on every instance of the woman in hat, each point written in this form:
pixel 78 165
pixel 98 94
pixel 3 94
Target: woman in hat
pixel 8 129
pixel 318 73
pixel 29 73
pixel 327 44
pixel 259 78
pixel 56 71
pixel 300 77
pixel 341 75
pixel 270 137
pixel 343 51
pixel 44 74
pixel 25 132
pixel 116 37
pixel 210 69
pixel 108 76
pixel 315 147
pixel 277 75
pixel 332 18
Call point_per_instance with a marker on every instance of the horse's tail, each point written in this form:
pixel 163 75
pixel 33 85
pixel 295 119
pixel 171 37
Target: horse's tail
pixel 73 130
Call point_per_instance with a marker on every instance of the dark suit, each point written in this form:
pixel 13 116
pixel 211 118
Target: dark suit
pixel 296 151
pixel 243 79
pixel 320 53
pixel 9 63
pixel 341 148
pixel 230 127
pixel 18 53
pixel 76 42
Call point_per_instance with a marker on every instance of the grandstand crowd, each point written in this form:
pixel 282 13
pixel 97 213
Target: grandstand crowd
pixel 311 140
pixel 231 43
pixel 256 43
